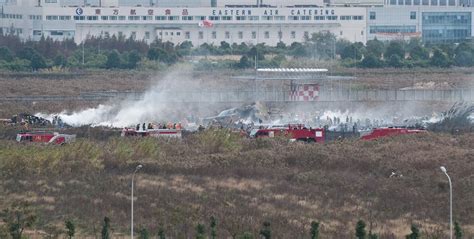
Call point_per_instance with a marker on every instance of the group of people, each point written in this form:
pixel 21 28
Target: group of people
pixel 151 126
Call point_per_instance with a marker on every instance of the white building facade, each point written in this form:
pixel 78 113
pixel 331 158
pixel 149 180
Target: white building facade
pixel 264 22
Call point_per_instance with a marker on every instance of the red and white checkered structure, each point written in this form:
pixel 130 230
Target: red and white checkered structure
pixel 304 92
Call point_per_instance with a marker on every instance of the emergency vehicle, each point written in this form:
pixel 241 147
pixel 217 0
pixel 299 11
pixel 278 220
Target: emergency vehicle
pixel 296 132
pixel 131 132
pixel 46 137
pixel 389 131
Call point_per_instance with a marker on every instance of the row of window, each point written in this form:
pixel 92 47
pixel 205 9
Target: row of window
pixel 373 15
pixel 392 29
pixel 11 16
pixel 191 18
pixel 35 17
pixel 424 2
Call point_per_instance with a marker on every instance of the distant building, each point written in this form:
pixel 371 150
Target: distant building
pixel 238 21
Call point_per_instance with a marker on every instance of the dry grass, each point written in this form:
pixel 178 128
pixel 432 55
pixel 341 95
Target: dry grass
pixel 243 183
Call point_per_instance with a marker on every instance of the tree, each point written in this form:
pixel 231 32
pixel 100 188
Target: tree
pixel 281 45
pixel 457 231
pixel 244 62
pixel 256 52
pixel 161 233
pixel 353 51
pixel 360 230
pixel 314 232
pixel 415 233
pixel 371 61
pixel 5 54
pixel 144 234
pixel 18 217
pixel 37 61
pixel 70 228
pixel 266 231
pixel 375 47
pixel 245 235
pixel 341 45
pixel 464 58
pixel 419 53
pixel 113 60
pixel 224 46
pixel 440 59
pixel 200 231
pixel 133 58
pixel 298 50
pixel 373 236
pixel 322 44
pixel 395 61
pixel 395 48
pixel 106 228
pixel 213 228
pixel 60 60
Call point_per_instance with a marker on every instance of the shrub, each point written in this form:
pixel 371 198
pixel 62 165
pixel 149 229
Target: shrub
pixel 360 230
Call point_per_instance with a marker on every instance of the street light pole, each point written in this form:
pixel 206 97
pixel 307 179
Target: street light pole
pixel 133 177
pixel 450 202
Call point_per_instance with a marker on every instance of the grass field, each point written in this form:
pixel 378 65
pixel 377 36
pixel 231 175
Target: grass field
pixel 243 183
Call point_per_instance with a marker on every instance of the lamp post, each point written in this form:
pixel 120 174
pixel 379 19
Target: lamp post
pixel 133 177
pixel 450 202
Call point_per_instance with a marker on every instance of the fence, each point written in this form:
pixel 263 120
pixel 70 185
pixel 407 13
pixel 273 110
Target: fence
pixel 325 95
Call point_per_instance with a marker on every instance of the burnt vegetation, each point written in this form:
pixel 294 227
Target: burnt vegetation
pixel 250 188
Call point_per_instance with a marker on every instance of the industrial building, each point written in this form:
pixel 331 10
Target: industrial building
pixel 239 21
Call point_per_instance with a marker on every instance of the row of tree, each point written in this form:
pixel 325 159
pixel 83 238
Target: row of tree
pixel 21 216
pixel 124 53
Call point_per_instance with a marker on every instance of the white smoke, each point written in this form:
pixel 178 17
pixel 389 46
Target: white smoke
pixel 150 108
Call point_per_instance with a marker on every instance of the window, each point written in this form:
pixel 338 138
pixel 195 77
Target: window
pixel 202 18
pixel 160 18
pixel 121 18
pixel 425 2
pixel 133 18
pixel 293 18
pixel 254 35
pixel 442 2
pixel 187 18
pixel 407 2
pixel 293 34
pixel 92 18
pixel 214 35
pixel 253 18
pixel 372 15
pixel 332 18
pixel 147 18
pixel 400 2
pixel 241 35
pixel 147 35
pixel 240 18
pixel 416 2
pixel 305 18
pixel 434 2
pixel 173 18
pixel 214 18
pixel 358 17
pixel 226 18
pixel 280 18
pixel 201 35
pixel 319 18
pixel 361 33
pixel 227 35
pixel 79 18
pixel 187 35
pixel 412 15
pixel 104 18
pixel 267 35
pixel 113 18
pixel 267 18
pixel 51 18
pixel 346 17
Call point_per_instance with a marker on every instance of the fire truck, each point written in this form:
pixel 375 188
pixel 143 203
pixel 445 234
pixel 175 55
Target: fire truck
pixel 46 137
pixel 296 132
pixel 389 131
pixel 131 132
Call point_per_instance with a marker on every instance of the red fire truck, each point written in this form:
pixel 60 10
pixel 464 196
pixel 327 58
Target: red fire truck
pixel 46 137
pixel 129 132
pixel 389 131
pixel 296 132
